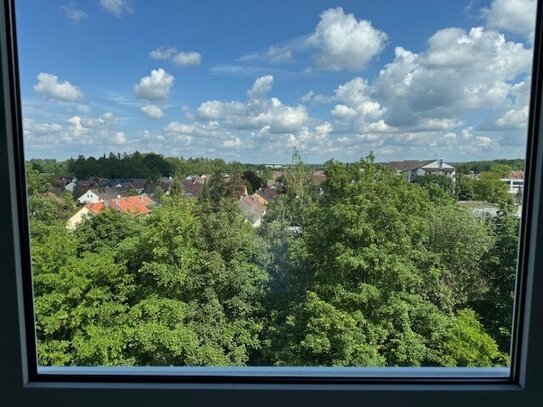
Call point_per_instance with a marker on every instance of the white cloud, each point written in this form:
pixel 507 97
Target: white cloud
pixel 72 12
pixel 515 114
pixel 277 55
pixel 179 58
pixel 187 58
pixel 155 87
pixel 343 42
pixel 460 72
pixel 483 141
pixel 120 138
pixel 117 8
pixel 163 53
pixel 75 131
pixel 514 16
pixel 261 86
pixel 152 111
pixel 232 143
pixel 49 85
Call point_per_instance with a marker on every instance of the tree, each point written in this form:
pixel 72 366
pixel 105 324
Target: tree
pixel 499 271
pixel 490 188
pixel 372 279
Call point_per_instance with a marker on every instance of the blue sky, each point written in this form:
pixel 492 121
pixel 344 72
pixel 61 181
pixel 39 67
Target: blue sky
pixel 247 80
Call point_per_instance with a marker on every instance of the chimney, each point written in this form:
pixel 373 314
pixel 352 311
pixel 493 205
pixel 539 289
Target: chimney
pixel 441 163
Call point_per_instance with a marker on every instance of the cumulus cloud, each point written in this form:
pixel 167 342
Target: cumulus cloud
pixel 260 124
pixel 232 143
pixel 258 113
pixel 152 111
pixel 49 85
pixel 461 71
pixel 72 12
pixel 156 86
pixel 261 86
pixel 117 8
pixel 514 16
pixel 179 58
pixel 76 131
pixel 343 42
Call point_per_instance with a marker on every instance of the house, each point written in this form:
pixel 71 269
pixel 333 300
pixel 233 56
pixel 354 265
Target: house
pixel 89 197
pixel 70 186
pixel 132 205
pixel 192 189
pixel 265 195
pixel 82 214
pixel 515 182
pixel 416 168
pixel 101 194
pixel 252 209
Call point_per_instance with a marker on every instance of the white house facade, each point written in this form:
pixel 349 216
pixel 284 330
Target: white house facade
pixel 89 197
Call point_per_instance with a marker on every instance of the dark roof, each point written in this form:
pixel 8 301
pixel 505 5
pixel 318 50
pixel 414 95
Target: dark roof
pixel 109 192
pixel 192 188
pixel 267 193
pixel 407 165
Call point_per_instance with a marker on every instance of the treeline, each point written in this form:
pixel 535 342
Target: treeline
pixel 483 166
pixel 149 166
pixel 365 269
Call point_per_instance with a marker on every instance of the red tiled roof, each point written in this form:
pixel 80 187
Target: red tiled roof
pixel 135 205
pixel 95 207
pixel 516 174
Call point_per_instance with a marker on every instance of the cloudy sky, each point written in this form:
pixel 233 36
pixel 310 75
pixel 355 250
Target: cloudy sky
pixel 246 80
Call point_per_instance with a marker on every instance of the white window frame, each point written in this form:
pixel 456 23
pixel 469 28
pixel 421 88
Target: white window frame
pixel 22 384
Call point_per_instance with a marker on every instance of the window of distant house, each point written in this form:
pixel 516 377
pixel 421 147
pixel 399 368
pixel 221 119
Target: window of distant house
pixel 332 186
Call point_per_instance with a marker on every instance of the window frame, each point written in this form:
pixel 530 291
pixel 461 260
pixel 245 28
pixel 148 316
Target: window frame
pixel 23 384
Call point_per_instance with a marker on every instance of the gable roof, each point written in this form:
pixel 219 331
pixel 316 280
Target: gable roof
pixel 192 188
pixel 267 193
pixel 516 175
pixel 251 208
pixel 407 165
pixel 135 205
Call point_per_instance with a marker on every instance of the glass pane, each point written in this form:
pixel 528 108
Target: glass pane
pixel 290 183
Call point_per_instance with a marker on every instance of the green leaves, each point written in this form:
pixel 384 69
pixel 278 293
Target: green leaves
pixel 365 269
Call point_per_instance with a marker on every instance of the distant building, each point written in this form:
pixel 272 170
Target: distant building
pixel 265 195
pixel 100 194
pixel 515 182
pixel 252 209
pixel 192 189
pixel 416 168
pixel 70 186
pixel 132 205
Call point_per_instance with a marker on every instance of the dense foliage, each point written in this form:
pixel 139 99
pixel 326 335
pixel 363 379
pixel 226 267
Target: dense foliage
pixel 145 165
pixel 364 269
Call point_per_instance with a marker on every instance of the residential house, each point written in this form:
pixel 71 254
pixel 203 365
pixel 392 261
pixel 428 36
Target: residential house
pixel 252 209
pixel 192 189
pixel 265 195
pixel 101 194
pixel 416 168
pixel 515 182
pixel 71 185
pixel 132 205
